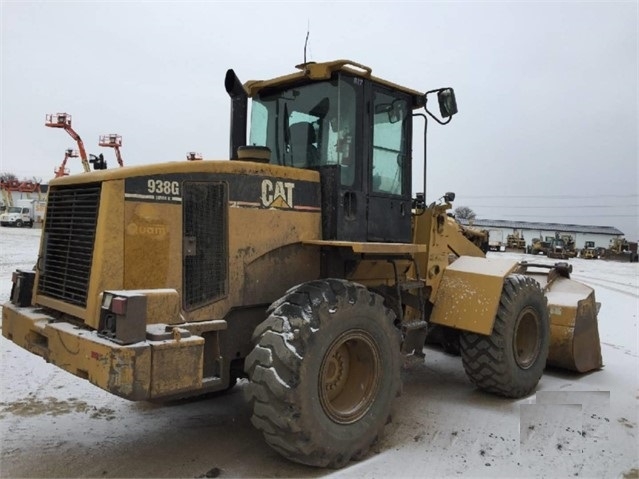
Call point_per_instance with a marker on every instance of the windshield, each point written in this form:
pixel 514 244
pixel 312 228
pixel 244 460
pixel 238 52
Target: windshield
pixel 309 125
pixel 14 209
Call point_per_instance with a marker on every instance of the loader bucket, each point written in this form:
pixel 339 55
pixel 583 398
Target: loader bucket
pixel 574 332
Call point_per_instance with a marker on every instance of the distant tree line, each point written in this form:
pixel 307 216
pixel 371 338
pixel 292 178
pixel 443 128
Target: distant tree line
pixel 464 213
pixel 6 177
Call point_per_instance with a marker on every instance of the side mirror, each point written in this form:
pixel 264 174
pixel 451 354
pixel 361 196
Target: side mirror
pixel 449 197
pixel 447 102
pixel 397 111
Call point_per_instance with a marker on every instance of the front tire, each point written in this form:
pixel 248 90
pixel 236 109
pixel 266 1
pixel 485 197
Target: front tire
pixel 324 372
pixel 19 223
pixel 512 359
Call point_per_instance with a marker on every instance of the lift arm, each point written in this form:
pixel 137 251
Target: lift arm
pixel 62 169
pixel 63 120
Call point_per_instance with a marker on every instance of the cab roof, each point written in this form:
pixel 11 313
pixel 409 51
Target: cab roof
pixel 323 71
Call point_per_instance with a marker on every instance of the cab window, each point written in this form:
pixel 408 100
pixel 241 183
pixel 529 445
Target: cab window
pixel 309 125
pixel 389 143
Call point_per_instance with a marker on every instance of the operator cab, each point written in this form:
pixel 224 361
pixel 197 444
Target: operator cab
pixel 356 130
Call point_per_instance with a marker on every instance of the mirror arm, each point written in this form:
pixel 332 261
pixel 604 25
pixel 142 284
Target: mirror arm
pixel 426 130
pixel 437 119
pixel 429 113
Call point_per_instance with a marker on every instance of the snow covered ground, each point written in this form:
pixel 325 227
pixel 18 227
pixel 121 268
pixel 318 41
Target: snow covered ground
pixel 53 424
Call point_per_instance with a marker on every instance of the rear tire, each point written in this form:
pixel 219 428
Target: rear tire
pixel 512 359
pixel 324 372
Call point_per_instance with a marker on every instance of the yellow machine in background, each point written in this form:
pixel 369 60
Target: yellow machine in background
pixel 620 249
pixel 304 264
pixel 562 246
pixel 540 246
pixel 516 243
pixel 589 251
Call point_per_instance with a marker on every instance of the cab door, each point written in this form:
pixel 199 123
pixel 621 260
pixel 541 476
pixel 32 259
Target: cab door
pixel 389 166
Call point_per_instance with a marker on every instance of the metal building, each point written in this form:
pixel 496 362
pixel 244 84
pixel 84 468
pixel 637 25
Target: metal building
pixel 500 229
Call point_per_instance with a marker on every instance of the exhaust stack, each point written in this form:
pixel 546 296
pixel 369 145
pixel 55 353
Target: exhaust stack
pixel 239 105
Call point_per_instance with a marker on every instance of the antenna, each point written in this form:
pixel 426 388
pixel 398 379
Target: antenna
pixel 308 31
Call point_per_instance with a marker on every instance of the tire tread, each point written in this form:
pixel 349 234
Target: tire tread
pixel 484 357
pixel 274 367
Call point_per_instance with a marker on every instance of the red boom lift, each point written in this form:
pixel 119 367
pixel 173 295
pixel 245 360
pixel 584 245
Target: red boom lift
pixel 113 141
pixel 62 170
pixel 63 120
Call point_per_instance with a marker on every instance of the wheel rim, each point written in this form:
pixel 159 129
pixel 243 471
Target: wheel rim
pixel 527 342
pixel 349 377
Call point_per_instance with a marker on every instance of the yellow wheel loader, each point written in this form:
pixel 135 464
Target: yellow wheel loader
pixel 589 251
pixel 303 264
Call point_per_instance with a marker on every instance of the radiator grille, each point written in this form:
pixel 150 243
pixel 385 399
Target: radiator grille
pixel 68 242
pixel 205 243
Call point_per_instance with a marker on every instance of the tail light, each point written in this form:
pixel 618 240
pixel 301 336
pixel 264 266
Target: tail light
pixel 123 317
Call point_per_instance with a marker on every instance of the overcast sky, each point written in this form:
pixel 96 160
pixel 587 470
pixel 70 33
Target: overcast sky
pixel 547 91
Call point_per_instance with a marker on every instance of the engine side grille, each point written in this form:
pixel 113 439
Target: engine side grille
pixel 205 248
pixel 68 242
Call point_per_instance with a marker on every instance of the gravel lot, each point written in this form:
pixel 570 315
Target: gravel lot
pixel 53 424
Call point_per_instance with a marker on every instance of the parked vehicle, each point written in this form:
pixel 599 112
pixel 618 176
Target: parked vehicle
pixel 496 240
pixel 22 213
pixel 516 243
pixel 589 251
pixel 620 249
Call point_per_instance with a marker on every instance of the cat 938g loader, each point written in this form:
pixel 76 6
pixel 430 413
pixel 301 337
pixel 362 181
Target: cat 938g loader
pixel 303 264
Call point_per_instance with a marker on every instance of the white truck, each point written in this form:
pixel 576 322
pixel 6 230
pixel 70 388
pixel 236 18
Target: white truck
pixel 22 213
pixel 496 240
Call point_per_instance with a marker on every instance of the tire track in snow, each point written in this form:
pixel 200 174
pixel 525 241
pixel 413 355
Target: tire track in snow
pixel 606 284
pixel 631 285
